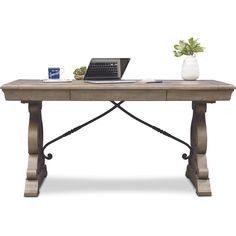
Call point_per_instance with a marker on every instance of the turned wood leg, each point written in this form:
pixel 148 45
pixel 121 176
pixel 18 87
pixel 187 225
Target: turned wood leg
pixel 36 171
pixel 197 170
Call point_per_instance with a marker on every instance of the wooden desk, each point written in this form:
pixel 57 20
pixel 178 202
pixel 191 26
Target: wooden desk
pixel 199 92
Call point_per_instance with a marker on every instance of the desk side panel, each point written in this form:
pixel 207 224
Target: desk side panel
pixel 198 95
pixel 118 95
pixel 37 95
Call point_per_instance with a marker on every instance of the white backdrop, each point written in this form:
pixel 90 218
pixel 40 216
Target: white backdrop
pixel 116 177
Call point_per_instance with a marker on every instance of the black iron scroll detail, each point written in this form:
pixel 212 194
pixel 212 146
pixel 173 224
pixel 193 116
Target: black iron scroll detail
pixel 49 156
pixel 118 105
pixel 184 156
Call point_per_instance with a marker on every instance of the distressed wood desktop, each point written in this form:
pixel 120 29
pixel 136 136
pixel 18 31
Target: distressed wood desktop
pixel 200 92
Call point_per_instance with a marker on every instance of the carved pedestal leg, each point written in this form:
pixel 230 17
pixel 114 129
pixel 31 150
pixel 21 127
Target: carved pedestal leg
pixel 197 170
pixel 37 170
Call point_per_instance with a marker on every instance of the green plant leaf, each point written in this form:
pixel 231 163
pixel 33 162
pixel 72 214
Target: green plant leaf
pixel 191 42
pixel 182 44
pixel 80 71
pixel 198 49
pixel 187 48
pixel 177 47
pixel 178 54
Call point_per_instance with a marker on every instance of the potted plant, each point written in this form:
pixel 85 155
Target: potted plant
pixel 80 72
pixel 190 68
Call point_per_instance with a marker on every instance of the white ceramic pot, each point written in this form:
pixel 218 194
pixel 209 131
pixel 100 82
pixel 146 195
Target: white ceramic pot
pixel 190 68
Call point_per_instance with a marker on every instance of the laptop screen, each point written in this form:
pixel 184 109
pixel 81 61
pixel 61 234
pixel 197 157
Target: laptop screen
pixel 106 68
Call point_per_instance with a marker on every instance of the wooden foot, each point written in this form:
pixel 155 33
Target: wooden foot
pixel 37 170
pixel 202 186
pixel 197 170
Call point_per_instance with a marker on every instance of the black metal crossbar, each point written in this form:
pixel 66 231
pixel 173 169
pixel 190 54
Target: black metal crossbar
pixel 117 105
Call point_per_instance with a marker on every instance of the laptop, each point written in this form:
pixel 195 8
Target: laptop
pixel 107 70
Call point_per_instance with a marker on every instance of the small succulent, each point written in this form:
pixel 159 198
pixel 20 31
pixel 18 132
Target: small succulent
pixel 80 71
pixel 190 47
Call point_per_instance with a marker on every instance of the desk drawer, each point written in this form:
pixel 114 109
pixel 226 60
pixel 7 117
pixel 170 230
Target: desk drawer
pixel 37 95
pixel 118 95
pixel 198 95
